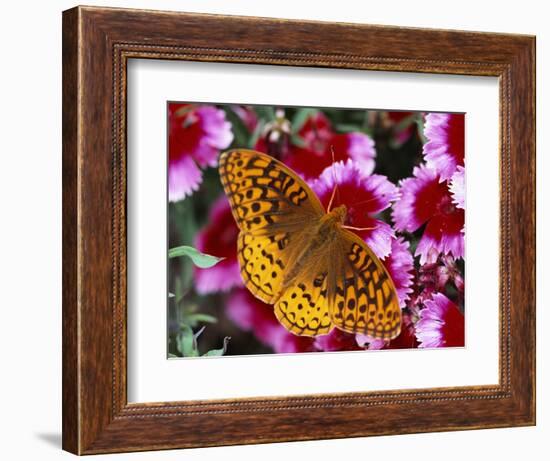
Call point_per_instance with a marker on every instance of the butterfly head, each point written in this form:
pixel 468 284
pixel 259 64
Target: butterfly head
pixel 339 214
pixel 331 221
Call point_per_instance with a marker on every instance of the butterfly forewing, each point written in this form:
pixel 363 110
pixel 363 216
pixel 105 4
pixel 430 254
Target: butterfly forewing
pixel 265 195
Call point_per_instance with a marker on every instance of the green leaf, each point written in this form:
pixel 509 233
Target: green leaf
pixel 201 260
pixel 218 352
pixel 347 128
pixel 300 118
pixel 178 290
pixel 266 113
pixel 184 110
pixel 240 131
pixel 197 318
pixel 186 342
pixel 256 134
pixel 365 125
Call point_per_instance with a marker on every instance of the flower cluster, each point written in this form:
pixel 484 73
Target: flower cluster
pixel 414 222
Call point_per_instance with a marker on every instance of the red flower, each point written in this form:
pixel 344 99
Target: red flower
pixel 319 143
pixel 365 196
pixel 441 324
pixel 196 135
pixel 444 151
pixel 219 238
pixel 427 200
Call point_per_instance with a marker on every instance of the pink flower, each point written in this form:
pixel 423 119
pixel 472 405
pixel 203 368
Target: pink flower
pixel 365 196
pixel 457 187
pixel 251 314
pixel 359 147
pixel 400 265
pixel 219 238
pixel 441 324
pixel 444 151
pixel 196 136
pixel 425 199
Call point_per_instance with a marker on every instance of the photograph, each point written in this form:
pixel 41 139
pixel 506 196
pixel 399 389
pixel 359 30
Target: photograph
pixel 313 229
pixel 282 227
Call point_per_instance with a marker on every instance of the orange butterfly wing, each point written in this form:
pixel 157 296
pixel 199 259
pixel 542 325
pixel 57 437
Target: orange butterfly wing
pixel 363 298
pixel 274 208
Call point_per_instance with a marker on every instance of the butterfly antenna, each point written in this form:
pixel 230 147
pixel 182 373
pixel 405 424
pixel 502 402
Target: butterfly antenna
pixel 364 202
pixel 360 228
pixel 335 188
pixel 331 198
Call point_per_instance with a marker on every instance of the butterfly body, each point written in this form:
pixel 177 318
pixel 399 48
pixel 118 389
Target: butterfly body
pixel 318 235
pixel 294 255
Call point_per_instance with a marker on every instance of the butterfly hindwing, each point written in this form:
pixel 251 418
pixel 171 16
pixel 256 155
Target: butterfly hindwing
pixel 363 298
pixel 303 307
pixel 263 261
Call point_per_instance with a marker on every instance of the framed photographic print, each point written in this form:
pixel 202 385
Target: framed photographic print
pixel 327 235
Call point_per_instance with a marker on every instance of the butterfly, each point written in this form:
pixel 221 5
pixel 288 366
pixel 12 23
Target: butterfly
pixel 302 259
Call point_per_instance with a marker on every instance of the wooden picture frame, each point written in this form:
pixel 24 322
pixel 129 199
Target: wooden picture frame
pixel 97 43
